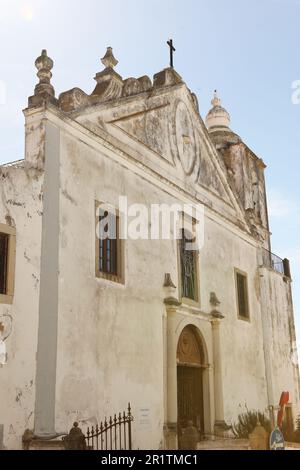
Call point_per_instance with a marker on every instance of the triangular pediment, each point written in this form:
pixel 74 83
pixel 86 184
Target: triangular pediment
pixel 150 128
pixel 169 135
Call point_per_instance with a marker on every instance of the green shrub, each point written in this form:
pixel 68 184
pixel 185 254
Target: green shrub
pixel 247 422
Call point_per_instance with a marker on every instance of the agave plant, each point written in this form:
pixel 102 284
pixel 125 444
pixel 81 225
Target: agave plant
pixel 248 421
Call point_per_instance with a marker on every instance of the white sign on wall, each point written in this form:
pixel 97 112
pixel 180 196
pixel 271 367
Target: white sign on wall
pixel 144 418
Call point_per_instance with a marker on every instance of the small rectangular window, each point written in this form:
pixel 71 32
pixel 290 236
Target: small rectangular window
pixel 242 295
pixel 108 250
pixel 4 241
pixel 7 263
pixel 188 260
pixel 109 247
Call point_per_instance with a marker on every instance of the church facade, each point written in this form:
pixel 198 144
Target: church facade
pixel 87 323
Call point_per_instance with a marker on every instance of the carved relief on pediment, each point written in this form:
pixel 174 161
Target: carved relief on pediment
pixel 185 145
pixel 131 87
pixel 149 127
pixel 208 176
pixel 158 133
pixel 73 99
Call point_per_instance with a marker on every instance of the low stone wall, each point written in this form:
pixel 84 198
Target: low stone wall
pixel 37 444
pixel 292 446
pixel 224 444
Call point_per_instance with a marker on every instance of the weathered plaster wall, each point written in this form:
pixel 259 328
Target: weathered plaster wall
pixel 280 337
pixel 110 336
pixel 110 342
pixel 242 356
pixel 247 176
pixel 21 207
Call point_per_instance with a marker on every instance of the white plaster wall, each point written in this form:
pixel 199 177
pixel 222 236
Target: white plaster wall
pixel 20 199
pixel 280 337
pixel 110 336
pixel 243 366
pixel 111 348
pixel 110 341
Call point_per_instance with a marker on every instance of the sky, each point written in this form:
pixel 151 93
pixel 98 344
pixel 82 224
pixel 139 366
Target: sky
pixel 247 49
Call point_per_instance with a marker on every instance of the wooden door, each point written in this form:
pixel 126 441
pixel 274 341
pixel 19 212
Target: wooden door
pixel 190 397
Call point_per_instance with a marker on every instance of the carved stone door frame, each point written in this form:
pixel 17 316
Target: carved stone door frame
pixel 190 393
pixel 174 324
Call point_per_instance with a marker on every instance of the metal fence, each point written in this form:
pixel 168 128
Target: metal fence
pixel 112 434
pixel 276 263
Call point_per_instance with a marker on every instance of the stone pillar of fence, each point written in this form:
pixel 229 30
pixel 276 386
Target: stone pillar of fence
pixel 259 439
pixel 75 440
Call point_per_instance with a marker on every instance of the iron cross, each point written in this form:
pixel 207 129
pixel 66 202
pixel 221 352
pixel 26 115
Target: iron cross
pixel 172 50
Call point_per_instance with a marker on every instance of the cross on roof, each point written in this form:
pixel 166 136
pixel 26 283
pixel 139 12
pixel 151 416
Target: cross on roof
pixel 172 50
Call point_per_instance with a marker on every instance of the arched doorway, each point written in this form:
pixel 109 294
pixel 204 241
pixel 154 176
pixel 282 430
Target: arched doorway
pixel 190 364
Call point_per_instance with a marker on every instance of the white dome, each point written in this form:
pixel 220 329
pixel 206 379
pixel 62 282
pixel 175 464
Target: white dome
pixel 217 117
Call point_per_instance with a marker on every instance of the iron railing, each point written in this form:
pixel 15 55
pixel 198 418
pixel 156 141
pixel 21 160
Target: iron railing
pixel 275 263
pixel 112 434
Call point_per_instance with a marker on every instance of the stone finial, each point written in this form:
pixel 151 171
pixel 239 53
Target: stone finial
pixel 44 90
pixel 109 60
pixel 44 64
pixel 109 82
pixel 216 100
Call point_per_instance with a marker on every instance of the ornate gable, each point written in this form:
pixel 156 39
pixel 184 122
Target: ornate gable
pixel 165 128
pixel 160 126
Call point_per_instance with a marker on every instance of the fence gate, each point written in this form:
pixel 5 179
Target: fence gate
pixel 112 434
